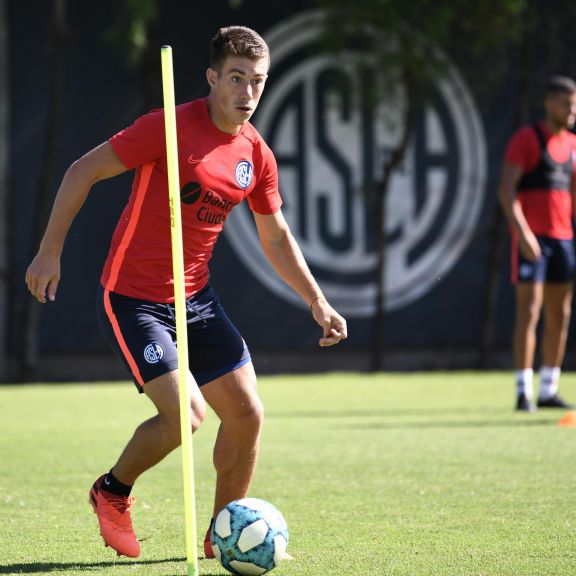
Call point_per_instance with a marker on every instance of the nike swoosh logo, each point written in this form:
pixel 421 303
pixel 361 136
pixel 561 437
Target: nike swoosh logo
pixel 192 160
pixel 107 481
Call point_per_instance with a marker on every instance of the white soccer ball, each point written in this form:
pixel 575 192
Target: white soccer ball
pixel 249 537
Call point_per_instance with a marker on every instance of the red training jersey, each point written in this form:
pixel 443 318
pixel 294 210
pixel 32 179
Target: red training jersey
pixel 548 212
pixel 217 171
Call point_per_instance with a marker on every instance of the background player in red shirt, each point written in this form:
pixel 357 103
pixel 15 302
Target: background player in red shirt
pixel 222 161
pixel 536 193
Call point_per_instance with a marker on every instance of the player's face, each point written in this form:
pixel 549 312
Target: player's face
pixel 235 91
pixel 561 110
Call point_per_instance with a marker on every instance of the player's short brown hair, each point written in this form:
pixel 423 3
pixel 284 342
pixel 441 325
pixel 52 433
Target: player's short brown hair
pixel 560 85
pixel 237 41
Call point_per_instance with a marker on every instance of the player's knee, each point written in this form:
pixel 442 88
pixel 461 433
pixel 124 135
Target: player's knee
pixel 240 439
pixel 528 316
pixel 172 424
pixel 253 416
pixel 245 422
pixel 558 317
pixel 197 415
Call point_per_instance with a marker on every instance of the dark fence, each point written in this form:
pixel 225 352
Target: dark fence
pixel 441 259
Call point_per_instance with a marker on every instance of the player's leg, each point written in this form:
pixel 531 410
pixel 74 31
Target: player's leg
pixel 220 362
pixel 558 292
pixel 156 437
pixel 557 309
pixel 143 336
pixel 529 277
pixel 234 399
pixel 529 297
pixel 221 365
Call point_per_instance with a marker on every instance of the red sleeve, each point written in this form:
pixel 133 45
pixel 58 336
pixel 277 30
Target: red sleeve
pixel 265 197
pixel 523 149
pixel 142 142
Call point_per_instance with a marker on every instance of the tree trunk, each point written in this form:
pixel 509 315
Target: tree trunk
pixel 150 65
pixel 526 63
pixel 391 163
pixel 29 346
pixel 4 206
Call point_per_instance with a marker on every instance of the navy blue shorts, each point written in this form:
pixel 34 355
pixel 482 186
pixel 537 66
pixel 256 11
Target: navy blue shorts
pixel 557 263
pixel 143 334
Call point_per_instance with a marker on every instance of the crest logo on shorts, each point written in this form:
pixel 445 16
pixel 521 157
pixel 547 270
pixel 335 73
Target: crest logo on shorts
pixel 525 270
pixel 244 171
pixel 153 353
pixel 330 139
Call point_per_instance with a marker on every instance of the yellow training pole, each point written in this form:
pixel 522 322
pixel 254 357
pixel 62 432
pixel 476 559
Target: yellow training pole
pixel 180 305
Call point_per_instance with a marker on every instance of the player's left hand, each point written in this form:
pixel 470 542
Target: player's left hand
pixel 333 325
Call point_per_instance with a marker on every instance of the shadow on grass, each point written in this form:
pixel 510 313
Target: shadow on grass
pixel 48 567
pixel 363 413
pixel 453 424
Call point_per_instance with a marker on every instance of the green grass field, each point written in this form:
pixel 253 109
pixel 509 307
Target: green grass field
pixel 394 474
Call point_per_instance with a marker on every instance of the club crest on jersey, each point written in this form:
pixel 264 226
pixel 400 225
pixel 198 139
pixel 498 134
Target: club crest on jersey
pixel 244 171
pixel 153 353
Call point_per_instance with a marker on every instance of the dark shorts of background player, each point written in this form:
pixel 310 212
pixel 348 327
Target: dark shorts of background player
pixel 556 265
pixel 143 334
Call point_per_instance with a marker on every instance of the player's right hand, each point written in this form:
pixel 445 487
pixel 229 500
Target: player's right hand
pixel 42 277
pixel 529 246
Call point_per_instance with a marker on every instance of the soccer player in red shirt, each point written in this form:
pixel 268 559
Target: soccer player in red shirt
pixel 536 193
pixel 223 160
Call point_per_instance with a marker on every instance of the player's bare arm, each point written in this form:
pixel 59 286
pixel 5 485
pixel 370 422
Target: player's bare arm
pixel 507 195
pixel 285 255
pixel 43 274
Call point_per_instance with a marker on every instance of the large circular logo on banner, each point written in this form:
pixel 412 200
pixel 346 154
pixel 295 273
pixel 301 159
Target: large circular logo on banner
pixel 331 150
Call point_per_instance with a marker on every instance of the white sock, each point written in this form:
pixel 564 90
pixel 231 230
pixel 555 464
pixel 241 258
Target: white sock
pixel 524 382
pixel 549 377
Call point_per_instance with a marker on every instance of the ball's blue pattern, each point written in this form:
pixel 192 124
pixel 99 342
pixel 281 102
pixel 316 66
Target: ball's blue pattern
pixel 241 516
